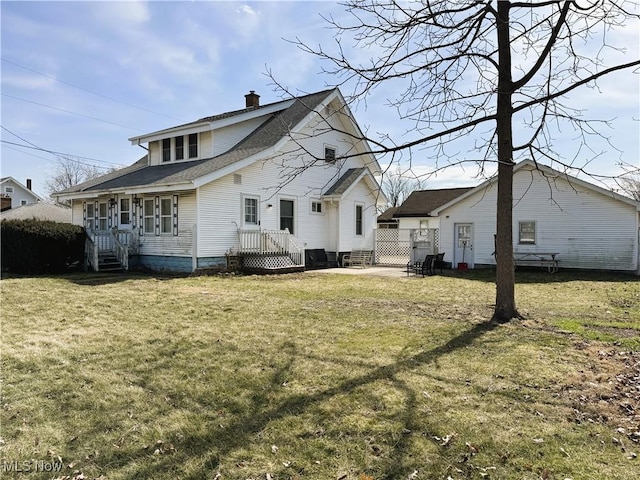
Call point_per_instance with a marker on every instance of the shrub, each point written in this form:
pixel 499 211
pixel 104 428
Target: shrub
pixel 40 246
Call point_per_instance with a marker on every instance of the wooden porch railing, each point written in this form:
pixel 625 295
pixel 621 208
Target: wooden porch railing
pixel 118 242
pixel 91 252
pixel 270 242
pixel 121 250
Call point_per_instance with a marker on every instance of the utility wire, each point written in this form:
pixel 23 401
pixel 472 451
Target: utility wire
pixel 70 157
pixel 89 91
pixel 73 113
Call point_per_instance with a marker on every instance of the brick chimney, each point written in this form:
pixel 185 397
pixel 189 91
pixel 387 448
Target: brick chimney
pixel 28 184
pixel 253 99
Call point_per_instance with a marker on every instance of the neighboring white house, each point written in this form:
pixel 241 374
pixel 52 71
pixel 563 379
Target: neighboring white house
pixel 588 227
pixel 17 192
pixel 261 181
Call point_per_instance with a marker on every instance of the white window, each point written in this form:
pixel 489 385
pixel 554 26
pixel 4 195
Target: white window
pixel 125 211
pixel 8 189
pixel 166 215
pixel 316 206
pixel 23 202
pixel 90 214
pixel 149 206
pixel 103 216
pixel 329 154
pixel 250 211
pixel 527 233
pixel 359 220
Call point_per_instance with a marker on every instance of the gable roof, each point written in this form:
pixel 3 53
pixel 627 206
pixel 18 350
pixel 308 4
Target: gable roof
pixel 387 215
pixel 545 170
pixel 349 178
pixel 421 203
pixel 12 180
pixel 286 115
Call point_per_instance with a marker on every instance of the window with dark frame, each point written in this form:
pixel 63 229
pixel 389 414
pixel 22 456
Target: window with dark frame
pixel 166 149
pixel 179 148
pixel 193 145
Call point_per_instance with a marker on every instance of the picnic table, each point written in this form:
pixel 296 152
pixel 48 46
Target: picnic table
pixel 546 260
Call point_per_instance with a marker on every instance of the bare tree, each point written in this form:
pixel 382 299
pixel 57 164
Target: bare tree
pixel 397 185
pixel 474 69
pixel 629 183
pixel 70 172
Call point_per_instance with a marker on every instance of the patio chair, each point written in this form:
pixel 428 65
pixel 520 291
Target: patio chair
pixel 438 262
pixel 423 268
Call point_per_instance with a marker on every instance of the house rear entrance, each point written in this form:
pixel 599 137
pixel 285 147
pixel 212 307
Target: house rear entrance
pixel 463 244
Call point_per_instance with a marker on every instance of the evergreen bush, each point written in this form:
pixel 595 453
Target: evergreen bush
pixel 41 246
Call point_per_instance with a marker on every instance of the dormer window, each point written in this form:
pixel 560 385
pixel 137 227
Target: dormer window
pixel 329 154
pixel 179 148
pixel 193 145
pixel 166 149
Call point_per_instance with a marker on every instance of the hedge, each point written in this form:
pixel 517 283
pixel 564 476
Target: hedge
pixel 41 246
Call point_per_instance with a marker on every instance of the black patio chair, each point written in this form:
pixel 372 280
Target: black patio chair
pixel 438 262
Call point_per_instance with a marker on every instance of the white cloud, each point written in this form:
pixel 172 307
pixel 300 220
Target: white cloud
pixel 124 14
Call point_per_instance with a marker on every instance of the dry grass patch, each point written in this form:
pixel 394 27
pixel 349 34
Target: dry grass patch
pixel 316 376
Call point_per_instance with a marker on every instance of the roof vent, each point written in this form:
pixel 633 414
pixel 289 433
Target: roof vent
pixel 253 99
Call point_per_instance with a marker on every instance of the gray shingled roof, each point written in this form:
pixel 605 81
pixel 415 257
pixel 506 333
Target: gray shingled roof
pixel 344 182
pixel 265 136
pixel 387 215
pixel 421 202
pixel 39 211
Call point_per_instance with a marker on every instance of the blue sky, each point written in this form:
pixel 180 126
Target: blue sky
pixel 81 78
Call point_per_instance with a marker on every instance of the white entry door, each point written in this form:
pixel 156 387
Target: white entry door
pixel 463 244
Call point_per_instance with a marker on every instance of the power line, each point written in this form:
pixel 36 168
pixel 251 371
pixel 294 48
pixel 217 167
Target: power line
pixel 89 91
pixel 68 156
pixel 73 113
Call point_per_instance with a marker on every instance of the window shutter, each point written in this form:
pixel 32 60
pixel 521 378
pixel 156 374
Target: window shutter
pixel 84 214
pixel 175 215
pixel 95 215
pixel 157 216
pixel 141 217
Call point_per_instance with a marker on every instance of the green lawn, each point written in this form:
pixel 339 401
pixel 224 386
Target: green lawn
pixel 316 376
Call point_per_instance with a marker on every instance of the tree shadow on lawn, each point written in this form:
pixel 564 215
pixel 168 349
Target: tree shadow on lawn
pixel 216 443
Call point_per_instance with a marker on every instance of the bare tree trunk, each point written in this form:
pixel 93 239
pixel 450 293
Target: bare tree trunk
pixel 505 308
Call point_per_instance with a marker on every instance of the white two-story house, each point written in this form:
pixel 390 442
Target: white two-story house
pixel 262 184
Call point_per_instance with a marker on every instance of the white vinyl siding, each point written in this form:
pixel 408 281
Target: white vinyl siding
pixel 174 245
pixel 221 206
pixel 587 229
